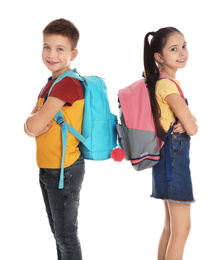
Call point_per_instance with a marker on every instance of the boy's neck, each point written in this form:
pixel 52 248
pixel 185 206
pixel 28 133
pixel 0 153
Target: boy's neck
pixel 56 74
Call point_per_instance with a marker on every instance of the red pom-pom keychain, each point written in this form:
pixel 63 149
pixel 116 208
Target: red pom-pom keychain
pixel 118 154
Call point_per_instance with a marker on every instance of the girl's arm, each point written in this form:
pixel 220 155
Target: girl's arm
pixel 40 121
pixel 183 113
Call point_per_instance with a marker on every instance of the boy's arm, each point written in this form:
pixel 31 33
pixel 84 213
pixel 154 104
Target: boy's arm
pixel 33 112
pixel 39 120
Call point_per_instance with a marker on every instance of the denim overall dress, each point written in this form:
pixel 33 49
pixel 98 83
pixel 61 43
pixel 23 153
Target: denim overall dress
pixel 179 188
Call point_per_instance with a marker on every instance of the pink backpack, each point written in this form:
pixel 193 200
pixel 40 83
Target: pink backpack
pixel 136 132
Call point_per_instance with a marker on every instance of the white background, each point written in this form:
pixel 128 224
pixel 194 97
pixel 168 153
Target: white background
pixel 117 219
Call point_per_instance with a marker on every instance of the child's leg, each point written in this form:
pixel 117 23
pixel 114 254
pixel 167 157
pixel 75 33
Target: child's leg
pixel 180 228
pixel 62 207
pixel 48 210
pixel 164 239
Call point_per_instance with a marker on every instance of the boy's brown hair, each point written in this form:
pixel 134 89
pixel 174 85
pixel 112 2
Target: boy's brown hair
pixel 63 27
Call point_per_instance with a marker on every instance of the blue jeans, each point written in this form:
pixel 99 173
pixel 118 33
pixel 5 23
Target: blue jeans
pixel 62 207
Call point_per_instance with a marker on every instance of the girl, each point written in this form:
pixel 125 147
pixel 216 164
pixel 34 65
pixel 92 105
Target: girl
pixel 166 53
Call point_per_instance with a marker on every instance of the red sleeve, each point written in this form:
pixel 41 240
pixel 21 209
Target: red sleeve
pixel 68 90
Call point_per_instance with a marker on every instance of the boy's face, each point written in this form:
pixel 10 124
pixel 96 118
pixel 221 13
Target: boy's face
pixel 57 53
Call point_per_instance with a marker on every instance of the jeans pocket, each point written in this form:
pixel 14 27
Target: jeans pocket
pixel 49 174
pixel 74 177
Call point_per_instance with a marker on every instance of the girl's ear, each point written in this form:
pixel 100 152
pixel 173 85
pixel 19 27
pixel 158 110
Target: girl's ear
pixel 74 54
pixel 158 57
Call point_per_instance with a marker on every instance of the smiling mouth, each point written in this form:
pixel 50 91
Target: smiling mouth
pixel 52 62
pixel 181 61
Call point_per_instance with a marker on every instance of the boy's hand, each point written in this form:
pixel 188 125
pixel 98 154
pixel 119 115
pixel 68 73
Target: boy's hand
pixel 40 108
pixel 40 120
pixel 47 127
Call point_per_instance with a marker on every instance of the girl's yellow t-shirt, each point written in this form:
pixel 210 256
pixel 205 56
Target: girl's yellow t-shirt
pixel 165 87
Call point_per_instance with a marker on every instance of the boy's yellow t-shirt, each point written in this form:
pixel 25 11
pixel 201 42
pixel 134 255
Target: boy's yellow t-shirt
pixel 165 87
pixel 49 144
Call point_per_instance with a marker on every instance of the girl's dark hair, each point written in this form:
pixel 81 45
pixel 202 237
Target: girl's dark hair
pixel 151 70
pixel 65 28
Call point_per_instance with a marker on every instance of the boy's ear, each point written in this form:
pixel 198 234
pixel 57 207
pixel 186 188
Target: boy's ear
pixel 74 54
pixel 158 57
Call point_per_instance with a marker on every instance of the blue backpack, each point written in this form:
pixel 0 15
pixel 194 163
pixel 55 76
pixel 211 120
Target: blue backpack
pixel 99 134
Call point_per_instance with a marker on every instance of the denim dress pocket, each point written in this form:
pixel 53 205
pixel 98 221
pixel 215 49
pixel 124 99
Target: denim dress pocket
pixel 176 144
pixel 178 141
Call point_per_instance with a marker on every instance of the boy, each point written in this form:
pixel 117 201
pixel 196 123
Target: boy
pixel 60 38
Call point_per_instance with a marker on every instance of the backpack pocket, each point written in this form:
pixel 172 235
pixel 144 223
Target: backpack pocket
pixel 103 139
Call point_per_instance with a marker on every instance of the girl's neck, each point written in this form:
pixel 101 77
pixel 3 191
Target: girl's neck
pixel 171 73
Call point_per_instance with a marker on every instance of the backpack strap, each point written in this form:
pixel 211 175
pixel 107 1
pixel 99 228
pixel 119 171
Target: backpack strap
pixel 59 118
pixel 68 73
pixel 166 76
pixel 166 141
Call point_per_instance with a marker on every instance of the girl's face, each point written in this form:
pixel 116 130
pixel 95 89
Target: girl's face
pixel 174 55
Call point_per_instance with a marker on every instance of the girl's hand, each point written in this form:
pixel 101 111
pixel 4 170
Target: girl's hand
pixel 178 128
